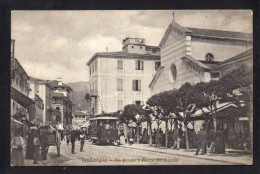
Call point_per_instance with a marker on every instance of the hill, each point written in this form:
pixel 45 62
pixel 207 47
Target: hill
pixel 78 95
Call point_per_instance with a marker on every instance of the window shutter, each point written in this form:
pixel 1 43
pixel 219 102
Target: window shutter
pixel 134 84
pixel 136 64
pixel 139 85
pixel 142 65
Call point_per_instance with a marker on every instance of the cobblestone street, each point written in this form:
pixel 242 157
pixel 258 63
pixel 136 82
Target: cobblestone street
pixel 129 155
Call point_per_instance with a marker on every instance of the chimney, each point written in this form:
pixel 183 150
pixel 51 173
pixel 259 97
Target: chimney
pixel 107 49
pixel 59 79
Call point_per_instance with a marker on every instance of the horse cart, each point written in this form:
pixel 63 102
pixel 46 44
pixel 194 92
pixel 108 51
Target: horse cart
pixel 53 137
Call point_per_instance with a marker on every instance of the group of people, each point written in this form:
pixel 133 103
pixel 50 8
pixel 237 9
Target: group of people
pixel 36 147
pixel 73 136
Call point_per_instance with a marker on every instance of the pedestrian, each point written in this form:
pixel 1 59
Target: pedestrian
pixel 73 139
pixel 30 146
pixel 82 140
pixel 17 146
pixel 44 143
pixel 158 138
pixel 122 138
pixel 144 138
pixel 212 139
pixel 68 138
pixel 130 138
pixel 201 141
pixel 176 139
pixel 36 142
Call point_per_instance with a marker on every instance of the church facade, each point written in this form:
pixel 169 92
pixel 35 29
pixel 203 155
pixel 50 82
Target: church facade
pixel 194 55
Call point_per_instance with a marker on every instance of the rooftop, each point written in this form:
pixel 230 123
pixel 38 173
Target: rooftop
pixel 55 84
pixel 125 55
pixel 220 34
pixel 239 56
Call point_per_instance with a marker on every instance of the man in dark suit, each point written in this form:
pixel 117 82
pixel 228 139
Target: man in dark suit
pixel 73 139
pixel 201 140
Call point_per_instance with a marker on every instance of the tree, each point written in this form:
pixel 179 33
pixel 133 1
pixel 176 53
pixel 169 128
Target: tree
pixel 129 113
pixel 148 117
pixel 186 105
pixel 164 105
pixel 239 87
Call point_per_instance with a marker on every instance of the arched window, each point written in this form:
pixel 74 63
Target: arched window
pixel 209 57
pixel 172 73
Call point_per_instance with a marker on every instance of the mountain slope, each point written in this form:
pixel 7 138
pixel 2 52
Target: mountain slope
pixel 78 95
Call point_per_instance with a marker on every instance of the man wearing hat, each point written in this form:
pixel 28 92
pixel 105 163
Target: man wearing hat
pixel 36 142
pixel 30 145
pixel 201 140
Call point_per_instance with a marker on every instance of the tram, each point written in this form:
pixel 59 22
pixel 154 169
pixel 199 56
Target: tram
pixel 103 129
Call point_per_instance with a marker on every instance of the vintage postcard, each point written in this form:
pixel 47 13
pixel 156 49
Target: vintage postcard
pixel 131 87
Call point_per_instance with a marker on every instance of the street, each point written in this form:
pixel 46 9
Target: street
pixel 115 155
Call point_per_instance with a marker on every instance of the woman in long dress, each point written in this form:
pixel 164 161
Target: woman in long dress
pixel 17 145
pixel 122 138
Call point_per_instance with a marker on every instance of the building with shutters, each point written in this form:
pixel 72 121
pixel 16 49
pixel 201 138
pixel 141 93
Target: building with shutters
pixel 61 102
pixel 43 89
pixel 123 77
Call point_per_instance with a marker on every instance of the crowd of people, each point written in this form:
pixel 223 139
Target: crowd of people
pixel 215 141
pixel 34 145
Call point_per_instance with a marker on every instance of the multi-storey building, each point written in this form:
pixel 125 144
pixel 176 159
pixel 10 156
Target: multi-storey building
pixel 20 102
pixel 43 89
pixel 121 78
pixel 61 102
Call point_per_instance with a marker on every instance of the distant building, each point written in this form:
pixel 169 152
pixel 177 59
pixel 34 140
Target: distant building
pixel 79 118
pixel 43 89
pixel 123 77
pixel 61 101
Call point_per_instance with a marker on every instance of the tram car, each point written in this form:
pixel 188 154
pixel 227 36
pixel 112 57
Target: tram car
pixel 103 129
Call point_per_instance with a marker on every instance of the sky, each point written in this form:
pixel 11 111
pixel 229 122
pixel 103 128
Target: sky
pixel 52 44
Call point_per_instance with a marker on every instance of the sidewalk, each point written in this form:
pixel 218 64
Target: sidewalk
pixel 236 157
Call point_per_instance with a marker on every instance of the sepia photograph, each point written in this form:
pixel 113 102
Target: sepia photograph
pixel 131 87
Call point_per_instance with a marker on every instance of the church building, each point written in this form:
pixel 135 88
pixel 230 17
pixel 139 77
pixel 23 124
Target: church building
pixel 198 55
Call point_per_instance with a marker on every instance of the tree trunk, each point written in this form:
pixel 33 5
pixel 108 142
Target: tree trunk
pixel 186 135
pixel 166 133
pixel 150 136
pixel 137 134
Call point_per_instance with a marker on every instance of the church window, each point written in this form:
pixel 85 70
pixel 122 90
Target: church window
pixel 172 73
pixel 209 57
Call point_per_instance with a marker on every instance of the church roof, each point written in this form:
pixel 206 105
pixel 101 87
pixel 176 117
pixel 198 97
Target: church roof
pixel 156 76
pixel 236 57
pixel 220 34
pixel 209 33
pixel 126 55
pixel 197 62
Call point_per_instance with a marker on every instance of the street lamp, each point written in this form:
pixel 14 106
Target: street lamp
pixel 138 118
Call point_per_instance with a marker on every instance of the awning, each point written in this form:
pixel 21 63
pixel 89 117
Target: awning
pixel 86 125
pixel 21 98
